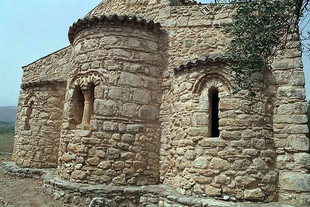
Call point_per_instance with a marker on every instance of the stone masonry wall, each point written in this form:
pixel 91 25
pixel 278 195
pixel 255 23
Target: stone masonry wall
pixel 192 31
pixel 142 106
pixel 38 126
pixel 122 145
pixel 49 67
pixel 196 30
pixel 41 102
pixel 290 123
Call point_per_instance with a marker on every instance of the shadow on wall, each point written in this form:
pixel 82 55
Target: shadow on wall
pixel 6 136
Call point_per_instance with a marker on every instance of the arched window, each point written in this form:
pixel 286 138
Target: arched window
pixel 214 112
pixel 28 116
pixel 83 106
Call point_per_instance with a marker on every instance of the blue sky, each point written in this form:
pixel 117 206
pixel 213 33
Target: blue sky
pixel 30 29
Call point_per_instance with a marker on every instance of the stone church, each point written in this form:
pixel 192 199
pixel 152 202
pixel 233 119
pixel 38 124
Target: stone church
pixel 140 110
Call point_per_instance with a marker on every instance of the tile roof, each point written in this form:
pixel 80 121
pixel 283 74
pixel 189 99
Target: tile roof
pixel 133 21
pixel 189 2
pixel 204 60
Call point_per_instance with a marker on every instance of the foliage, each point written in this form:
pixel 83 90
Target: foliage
pixel 257 29
pixel 6 127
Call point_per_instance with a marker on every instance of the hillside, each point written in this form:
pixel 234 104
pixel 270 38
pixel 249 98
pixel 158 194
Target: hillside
pixel 8 113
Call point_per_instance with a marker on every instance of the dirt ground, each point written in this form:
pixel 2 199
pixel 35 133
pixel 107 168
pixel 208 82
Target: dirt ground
pixel 22 192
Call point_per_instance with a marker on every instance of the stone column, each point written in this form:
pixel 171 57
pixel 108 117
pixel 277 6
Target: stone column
pixel 87 108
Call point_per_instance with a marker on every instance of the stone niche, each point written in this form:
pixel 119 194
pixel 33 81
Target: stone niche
pixel 111 131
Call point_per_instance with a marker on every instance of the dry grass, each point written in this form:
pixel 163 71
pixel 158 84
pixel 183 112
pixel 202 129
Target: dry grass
pixel 6 142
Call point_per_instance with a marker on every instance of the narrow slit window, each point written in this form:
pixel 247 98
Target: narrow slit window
pixel 214 112
pixel 28 116
pixel 78 106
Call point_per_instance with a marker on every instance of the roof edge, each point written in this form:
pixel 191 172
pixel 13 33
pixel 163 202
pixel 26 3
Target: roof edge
pixel 85 23
pixel 190 2
pixel 24 67
pixel 204 60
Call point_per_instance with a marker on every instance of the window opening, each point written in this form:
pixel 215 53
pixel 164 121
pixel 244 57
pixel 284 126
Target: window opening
pixel 78 106
pixel 214 112
pixel 28 116
pixel 83 106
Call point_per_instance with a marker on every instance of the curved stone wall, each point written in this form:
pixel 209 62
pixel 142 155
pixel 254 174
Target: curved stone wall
pixel 239 164
pixel 121 147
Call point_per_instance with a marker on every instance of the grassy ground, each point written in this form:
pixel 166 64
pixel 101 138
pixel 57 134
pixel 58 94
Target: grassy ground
pixel 6 141
pixel 6 136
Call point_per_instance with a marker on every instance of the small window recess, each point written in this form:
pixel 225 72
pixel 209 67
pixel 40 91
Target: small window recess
pixel 28 116
pixel 214 112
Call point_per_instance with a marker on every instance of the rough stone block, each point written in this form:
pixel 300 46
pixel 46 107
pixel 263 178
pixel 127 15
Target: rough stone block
pixel 294 181
pixel 255 194
pixel 105 107
pixel 130 79
pixel 220 164
pixel 297 129
pixel 213 191
pixel 128 138
pixel 93 161
pixel 293 108
pixel 298 142
pixel 201 162
pixel 110 126
pixel 135 127
pixel 259 164
pixel 230 134
pixel 302 160
pixel 110 40
pixel 290 119
pixel 244 181
pixel 122 53
pixel 113 153
pixel 141 96
pixel 119 93
pixel 292 92
pixel 200 119
pixel 148 112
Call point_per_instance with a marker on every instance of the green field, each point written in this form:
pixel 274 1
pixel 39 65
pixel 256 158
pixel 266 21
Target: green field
pixel 6 136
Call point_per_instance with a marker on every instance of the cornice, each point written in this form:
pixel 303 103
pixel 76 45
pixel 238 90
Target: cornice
pixel 131 21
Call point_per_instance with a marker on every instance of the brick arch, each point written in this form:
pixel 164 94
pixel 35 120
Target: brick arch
pixel 31 97
pixel 213 80
pixel 83 80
